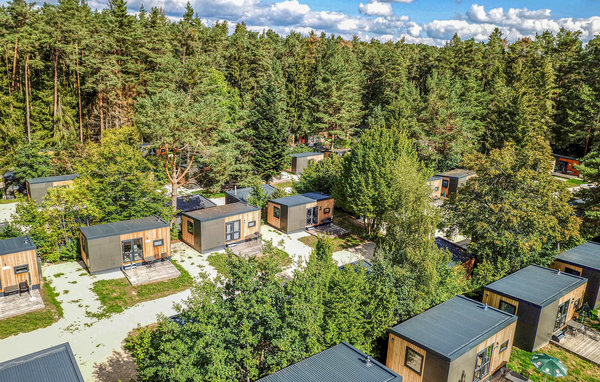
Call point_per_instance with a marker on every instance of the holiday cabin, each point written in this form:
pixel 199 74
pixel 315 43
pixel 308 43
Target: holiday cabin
pixel 454 179
pixel 298 212
pixel 301 160
pixel 565 165
pixel 37 188
pixel 20 265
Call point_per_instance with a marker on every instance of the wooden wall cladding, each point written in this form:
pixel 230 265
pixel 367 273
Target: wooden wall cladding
pixel 148 238
pixel 272 220
pixel 11 260
pixel 396 355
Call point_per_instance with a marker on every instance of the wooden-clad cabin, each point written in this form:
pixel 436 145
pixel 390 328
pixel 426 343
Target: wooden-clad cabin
pixel 458 340
pixel 454 179
pixel 37 188
pixel 18 263
pixel 301 160
pixel 242 194
pixel 584 261
pixel 566 165
pixel 544 299
pixel 118 245
pixel 297 212
pixel 435 182
pixel 217 227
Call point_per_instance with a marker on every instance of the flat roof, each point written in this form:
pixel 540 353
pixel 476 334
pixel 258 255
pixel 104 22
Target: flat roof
pixel 297 200
pixel 435 177
pixel 457 173
pixel 459 253
pixel 243 193
pixel 453 327
pixel 193 202
pixel 16 244
pixel 564 157
pixel 536 285
pixel 123 227
pixel 51 179
pixel 304 155
pixel 342 362
pixel 222 211
pixel 585 255
pixel 55 364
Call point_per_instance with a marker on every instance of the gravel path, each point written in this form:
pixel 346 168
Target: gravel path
pixel 6 210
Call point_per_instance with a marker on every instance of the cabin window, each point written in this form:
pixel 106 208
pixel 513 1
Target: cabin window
pixel 21 269
pixel 445 183
pixel 190 227
pixel 413 360
pixel 482 364
pixel 327 210
pixel 503 347
pixel 577 303
pixel 158 243
pixel 232 230
pixel 561 316
pixel 276 212
pixel 508 308
pixel 436 189
pixel 252 224
pixel 572 271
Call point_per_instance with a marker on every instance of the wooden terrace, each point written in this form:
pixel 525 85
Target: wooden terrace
pixel 583 342
pixel 151 273
pixel 15 305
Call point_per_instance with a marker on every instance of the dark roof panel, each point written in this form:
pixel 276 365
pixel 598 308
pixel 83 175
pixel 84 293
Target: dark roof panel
pixel 188 203
pixel 459 254
pixel 55 364
pixel 586 255
pixel 242 194
pixel 304 155
pixel 222 211
pixel 293 200
pixel 123 227
pixel 453 327
pixel 457 173
pixel 51 179
pixel 316 196
pixel 16 244
pixel 536 285
pixel 342 362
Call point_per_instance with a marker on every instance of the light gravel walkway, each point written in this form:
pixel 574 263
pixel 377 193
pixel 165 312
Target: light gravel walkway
pixel 6 210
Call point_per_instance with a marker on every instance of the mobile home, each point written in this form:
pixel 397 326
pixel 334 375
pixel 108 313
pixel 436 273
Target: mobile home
pixel 565 165
pixel 242 194
pixel 454 179
pixel 37 188
pixel 19 264
pixel 301 160
pixel 297 212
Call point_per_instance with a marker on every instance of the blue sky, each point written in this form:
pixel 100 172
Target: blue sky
pixel 424 21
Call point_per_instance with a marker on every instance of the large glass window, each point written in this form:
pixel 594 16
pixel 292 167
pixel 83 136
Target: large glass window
pixel 276 212
pixel 508 308
pixel 561 316
pixel 190 227
pixel 413 360
pixel 482 364
pixel 232 230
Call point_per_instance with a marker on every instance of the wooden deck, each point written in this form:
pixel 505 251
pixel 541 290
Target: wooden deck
pixel 15 305
pixel 249 248
pixel 584 344
pixel 147 274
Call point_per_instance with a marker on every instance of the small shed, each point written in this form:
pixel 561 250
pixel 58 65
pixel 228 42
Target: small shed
pixel 297 212
pixel 55 364
pixel 342 362
pixel 544 299
pixel 117 245
pixel 242 194
pixel 18 263
pixel 584 261
pixel 37 188
pixel 460 255
pixel 435 182
pixel 458 340
pixel 454 179
pixel 215 228
pixel 301 160
pixel 565 165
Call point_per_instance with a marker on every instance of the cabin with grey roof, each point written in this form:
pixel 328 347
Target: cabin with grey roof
pixel 55 364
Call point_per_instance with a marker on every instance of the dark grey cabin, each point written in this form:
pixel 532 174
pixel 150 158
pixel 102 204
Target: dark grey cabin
pixel 55 364
pixel 342 362
pixel 544 300
pixel 296 213
pixel 454 179
pixel 37 188
pixel 217 227
pixel 583 260
pixel 301 160
pixel 242 194
pixel 117 245
pixel 458 340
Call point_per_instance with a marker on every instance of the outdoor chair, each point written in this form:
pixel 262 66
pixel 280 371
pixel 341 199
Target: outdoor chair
pixel 24 288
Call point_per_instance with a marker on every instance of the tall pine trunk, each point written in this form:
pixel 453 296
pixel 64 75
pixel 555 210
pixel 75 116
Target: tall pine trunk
pixel 79 92
pixel 174 185
pixel 101 115
pixel 27 116
pixel 14 73
pixel 55 108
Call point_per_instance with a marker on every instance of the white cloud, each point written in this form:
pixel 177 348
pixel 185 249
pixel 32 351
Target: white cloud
pixel 376 8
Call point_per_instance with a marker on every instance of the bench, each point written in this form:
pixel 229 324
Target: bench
pixel 13 289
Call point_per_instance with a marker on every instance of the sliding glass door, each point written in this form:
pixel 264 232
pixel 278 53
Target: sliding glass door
pixel 133 250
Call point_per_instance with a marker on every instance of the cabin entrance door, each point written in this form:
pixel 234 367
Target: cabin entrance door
pixel 233 230
pixel 312 215
pixel 132 250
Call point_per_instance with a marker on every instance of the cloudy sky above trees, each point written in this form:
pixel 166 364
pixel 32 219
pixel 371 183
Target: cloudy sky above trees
pixel 427 21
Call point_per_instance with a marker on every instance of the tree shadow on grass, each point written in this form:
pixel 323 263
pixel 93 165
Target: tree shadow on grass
pixel 118 367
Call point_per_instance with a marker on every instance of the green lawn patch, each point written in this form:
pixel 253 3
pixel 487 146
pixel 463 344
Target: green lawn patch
pixel 339 243
pixel 593 322
pixel 574 182
pixel 209 195
pixel 349 223
pixel 219 260
pixel 29 322
pixel 116 295
pixel 8 201
pixel 579 369
pixel 284 185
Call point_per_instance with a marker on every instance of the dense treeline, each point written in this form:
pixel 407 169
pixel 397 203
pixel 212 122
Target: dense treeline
pixel 68 74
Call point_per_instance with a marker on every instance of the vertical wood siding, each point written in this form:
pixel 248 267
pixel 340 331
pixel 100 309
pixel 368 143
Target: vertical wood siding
pixel 185 235
pixel 396 355
pixel 7 272
pixel 272 220
pixel 148 238
pixel 493 299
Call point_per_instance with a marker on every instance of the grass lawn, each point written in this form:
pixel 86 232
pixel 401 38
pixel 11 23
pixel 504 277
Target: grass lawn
pixel 209 195
pixel 7 201
pixel 116 295
pixel 35 320
pixel 339 243
pixel 579 369
pixel 284 185
pixel 218 260
pixel 574 182
pixel 593 322
pixel 348 222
